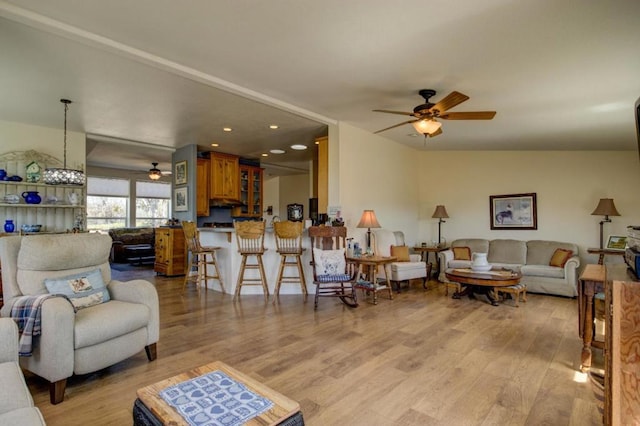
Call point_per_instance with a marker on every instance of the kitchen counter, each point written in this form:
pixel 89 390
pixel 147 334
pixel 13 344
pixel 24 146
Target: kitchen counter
pixel 229 261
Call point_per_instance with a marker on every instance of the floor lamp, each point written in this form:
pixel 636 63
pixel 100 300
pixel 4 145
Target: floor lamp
pixel 605 208
pixel 440 213
pixel 368 220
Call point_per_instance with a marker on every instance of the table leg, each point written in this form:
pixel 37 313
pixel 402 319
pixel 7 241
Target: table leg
pixel 491 295
pixel 386 276
pixel 587 334
pixel 601 259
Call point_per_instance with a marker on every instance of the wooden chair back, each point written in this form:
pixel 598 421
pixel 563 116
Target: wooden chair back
pixel 288 236
pixel 250 236
pixel 328 237
pixel 191 236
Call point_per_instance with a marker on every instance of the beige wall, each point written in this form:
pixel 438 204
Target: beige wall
pixel 568 186
pixel 293 189
pixel 24 137
pixel 376 173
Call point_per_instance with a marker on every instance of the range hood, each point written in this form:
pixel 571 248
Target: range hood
pixel 224 202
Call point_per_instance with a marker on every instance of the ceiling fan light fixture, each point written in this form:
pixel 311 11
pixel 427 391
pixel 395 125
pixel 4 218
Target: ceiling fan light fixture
pixel 426 127
pixel 155 173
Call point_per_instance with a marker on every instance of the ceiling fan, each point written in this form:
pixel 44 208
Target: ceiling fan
pixel 424 116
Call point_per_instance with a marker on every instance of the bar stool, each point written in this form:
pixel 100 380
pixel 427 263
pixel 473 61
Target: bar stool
pixel 250 237
pixel 289 246
pixel 199 259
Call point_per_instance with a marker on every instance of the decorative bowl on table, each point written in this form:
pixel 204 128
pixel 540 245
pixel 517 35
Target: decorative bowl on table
pixel 481 268
pixel 31 228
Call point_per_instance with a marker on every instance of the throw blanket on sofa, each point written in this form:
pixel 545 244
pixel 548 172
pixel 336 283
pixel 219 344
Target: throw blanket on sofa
pixel 26 312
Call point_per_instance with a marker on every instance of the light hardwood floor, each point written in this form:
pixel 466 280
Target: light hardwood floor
pixel 421 359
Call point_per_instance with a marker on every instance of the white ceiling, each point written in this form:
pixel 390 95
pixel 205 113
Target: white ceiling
pixel 562 75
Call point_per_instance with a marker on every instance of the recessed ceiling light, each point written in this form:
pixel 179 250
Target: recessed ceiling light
pixel 299 147
pixel 317 142
pixel 273 126
pixel 277 151
pixel 227 129
pixel 413 135
pixel 215 144
pixel 265 154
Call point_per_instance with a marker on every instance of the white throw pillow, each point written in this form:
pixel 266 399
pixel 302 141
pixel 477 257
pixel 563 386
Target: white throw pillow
pixel 329 262
pixel 84 289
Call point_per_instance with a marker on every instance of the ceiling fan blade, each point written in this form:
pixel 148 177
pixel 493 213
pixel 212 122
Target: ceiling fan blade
pixel 394 112
pixel 452 99
pixel 436 133
pixel 396 125
pixel 471 115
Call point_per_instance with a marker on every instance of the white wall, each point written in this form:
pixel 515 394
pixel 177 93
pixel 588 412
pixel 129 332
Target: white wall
pixel 568 186
pixel 377 173
pixel 24 137
pixel 271 197
pixel 294 189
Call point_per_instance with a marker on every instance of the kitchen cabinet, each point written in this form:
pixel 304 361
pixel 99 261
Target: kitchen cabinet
pixel 622 334
pixel 223 177
pixel 250 192
pixel 202 187
pixel 171 251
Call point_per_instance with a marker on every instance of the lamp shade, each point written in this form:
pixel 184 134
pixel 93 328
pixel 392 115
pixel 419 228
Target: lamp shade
pixel 426 126
pixel 368 220
pixel 606 208
pixel 440 213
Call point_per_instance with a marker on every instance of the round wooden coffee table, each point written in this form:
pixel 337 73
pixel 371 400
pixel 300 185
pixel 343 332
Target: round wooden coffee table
pixel 496 277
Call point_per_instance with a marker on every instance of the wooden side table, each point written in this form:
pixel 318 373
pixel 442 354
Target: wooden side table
pixel 604 252
pixel 591 282
pixel 424 252
pixel 372 263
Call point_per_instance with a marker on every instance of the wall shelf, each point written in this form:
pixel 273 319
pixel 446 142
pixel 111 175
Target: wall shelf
pixel 44 206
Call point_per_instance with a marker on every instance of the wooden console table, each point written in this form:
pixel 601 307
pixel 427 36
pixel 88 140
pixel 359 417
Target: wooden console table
pixel 591 282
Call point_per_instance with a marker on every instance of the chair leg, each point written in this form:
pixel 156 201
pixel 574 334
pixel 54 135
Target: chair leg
pixel 263 277
pixel 240 276
pixel 303 282
pixel 56 391
pixel 152 351
pixel 283 260
pixel 315 302
pixel 214 262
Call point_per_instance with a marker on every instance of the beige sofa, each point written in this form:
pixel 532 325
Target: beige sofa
pixel 529 257
pixel 92 338
pixel 16 403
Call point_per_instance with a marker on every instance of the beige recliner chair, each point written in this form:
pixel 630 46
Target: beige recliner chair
pixel 92 338
pixel 413 268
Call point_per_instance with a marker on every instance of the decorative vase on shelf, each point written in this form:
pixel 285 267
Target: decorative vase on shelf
pixel 31 197
pixel 480 263
pixel 9 226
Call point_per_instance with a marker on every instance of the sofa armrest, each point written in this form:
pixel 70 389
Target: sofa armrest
pixel 9 339
pixel 571 269
pixel 444 258
pixel 415 257
pixel 140 291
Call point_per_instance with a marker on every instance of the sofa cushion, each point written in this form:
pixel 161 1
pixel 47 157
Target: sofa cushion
pixel 461 253
pixel 100 323
pixel 329 262
pixel 477 245
pixel 401 253
pixel 22 416
pixel 508 251
pixel 539 252
pixel 542 271
pixel 463 264
pixel 560 257
pixel 84 289
pixel 14 393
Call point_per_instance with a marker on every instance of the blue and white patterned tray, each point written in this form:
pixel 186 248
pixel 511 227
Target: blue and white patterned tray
pixel 215 399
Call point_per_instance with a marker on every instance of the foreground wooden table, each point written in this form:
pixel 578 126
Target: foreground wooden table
pixel 490 279
pixel 282 409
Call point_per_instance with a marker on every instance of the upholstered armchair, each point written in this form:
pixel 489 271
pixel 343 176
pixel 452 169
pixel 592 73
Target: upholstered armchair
pixel 77 340
pixel 409 266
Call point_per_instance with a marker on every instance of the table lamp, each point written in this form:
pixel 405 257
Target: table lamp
pixel 440 213
pixel 605 208
pixel 368 220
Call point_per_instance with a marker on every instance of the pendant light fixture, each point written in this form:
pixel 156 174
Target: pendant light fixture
pixel 63 176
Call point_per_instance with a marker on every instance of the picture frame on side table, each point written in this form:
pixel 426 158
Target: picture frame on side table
pixel 181 199
pixel 616 242
pixel 513 211
pixel 180 172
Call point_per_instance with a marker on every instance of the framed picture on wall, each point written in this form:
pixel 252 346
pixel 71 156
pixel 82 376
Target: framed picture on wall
pixel 180 173
pixel 514 211
pixel 616 242
pixel 180 199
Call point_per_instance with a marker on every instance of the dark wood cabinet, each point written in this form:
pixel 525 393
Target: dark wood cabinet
pixel 171 251
pixel 250 192
pixel 202 187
